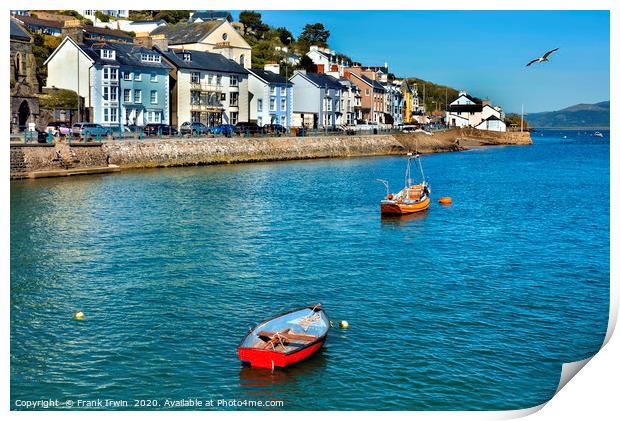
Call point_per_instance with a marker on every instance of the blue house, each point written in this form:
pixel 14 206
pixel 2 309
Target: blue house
pixel 122 84
pixel 271 98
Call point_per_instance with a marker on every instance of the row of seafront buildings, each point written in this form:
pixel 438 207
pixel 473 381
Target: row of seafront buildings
pixel 201 71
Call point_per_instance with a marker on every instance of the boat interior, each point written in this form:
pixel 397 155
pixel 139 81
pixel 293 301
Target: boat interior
pixel 289 332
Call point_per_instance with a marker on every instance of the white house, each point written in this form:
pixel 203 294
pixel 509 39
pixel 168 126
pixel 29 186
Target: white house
pixel 326 60
pixel 492 123
pixel 465 112
pixel 137 26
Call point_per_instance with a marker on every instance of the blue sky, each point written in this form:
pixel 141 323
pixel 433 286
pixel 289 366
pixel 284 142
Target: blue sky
pixel 483 52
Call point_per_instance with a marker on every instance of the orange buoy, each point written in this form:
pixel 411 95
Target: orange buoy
pixel 445 200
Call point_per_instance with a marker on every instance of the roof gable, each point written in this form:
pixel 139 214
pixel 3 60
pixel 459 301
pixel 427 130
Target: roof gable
pixel 268 77
pixel 187 33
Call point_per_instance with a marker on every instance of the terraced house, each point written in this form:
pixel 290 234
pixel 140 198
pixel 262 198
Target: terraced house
pixel 272 97
pixel 207 88
pixel 122 84
pixel 317 100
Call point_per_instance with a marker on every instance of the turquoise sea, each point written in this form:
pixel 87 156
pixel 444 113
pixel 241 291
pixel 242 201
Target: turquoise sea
pixel 472 306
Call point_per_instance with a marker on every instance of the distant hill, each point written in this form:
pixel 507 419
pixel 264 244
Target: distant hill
pixel 578 116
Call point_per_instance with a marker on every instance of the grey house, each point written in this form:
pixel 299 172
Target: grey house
pixel 318 100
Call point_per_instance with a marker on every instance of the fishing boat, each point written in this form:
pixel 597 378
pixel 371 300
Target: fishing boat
pixel 285 339
pixel 412 198
pixel 598 134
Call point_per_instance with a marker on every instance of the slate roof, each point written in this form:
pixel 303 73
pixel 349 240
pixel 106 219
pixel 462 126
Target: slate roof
pixel 373 83
pixel 493 117
pixel 18 32
pixel 187 33
pixel 322 80
pixel 464 108
pixel 107 31
pixel 126 54
pixel 29 20
pixel 269 77
pixel 210 15
pixel 202 60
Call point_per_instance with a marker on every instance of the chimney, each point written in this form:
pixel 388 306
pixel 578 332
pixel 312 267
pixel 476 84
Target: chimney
pixel 146 40
pixel 74 30
pixel 160 41
pixel 272 67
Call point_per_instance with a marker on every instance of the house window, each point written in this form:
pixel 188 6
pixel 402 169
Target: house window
pixel 242 60
pixel 110 115
pixel 108 54
pixel 138 77
pixel 195 98
pixel 187 56
pixel 234 81
pixel 272 90
pixel 113 94
pixel 272 104
pixel 259 105
pixel 137 96
pixel 259 120
pixel 283 120
pixel 106 93
pixel 210 76
pixel 195 77
pixel 283 104
pixel 367 92
pixel 337 92
pixel 153 117
pixel 234 117
pixel 153 77
pixel 283 91
pixel 234 99
pixel 153 97
pixel 150 58
pixel 218 80
pixel 127 75
pixel 195 117
pixel 127 95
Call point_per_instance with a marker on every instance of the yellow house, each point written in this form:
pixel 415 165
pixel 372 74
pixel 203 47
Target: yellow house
pixel 214 36
pixel 411 103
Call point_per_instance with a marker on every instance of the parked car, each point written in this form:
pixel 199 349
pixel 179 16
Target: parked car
pixel 154 129
pixel 90 130
pixel 224 129
pixel 276 129
pixel 194 128
pixel 58 128
pixel 248 128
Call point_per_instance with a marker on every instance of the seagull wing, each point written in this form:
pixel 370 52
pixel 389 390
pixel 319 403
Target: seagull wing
pixel 531 62
pixel 548 53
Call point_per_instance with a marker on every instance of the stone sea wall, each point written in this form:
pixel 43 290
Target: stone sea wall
pixel 53 159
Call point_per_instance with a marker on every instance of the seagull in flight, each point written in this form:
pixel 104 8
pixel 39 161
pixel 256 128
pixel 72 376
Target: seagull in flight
pixel 545 57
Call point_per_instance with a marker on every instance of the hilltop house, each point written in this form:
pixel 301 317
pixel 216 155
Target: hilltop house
pixel 61 26
pixel 327 60
pixel 373 101
pixel 206 87
pixel 136 26
pixel 205 15
pixel 317 100
pixel 90 14
pixel 271 97
pixel 215 36
pixel 122 84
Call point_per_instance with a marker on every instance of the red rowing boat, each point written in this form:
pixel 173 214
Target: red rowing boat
pixel 285 339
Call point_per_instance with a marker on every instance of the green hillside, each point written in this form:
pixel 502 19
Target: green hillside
pixel 577 116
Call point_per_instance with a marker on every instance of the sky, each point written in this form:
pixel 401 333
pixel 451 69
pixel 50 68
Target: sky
pixel 482 52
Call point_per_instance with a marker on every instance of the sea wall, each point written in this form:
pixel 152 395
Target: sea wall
pixel 28 160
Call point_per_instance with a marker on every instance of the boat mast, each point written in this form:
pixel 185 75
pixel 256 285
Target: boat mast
pixel 408 171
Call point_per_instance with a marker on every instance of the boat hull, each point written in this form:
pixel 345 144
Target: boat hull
pixel 262 358
pixel 396 208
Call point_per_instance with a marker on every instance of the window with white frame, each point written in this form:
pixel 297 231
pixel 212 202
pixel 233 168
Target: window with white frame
pixel 126 95
pixel 283 104
pixel 283 120
pixel 259 105
pixel 153 77
pixel 110 115
pixel 138 77
pixel 283 91
pixel 106 93
pixel 113 94
pixel 210 77
pixel 329 104
pixel 150 57
pixel 195 77
pixel 137 96
pixel 233 80
pixel 218 80
pixel 259 120
pixel 153 97
pixel 272 90
pixel 127 75
pixel 272 104
pixel 234 117
pixel 107 54
pixel 153 116
pixel 234 99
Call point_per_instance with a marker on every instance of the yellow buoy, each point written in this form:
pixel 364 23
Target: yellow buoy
pixel 445 200
pixel 78 315
pixel 344 324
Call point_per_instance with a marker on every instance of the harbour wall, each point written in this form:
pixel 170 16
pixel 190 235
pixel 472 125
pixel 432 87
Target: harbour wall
pixel 32 160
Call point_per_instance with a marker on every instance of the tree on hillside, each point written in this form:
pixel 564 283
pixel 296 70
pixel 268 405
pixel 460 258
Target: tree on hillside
pixel 252 23
pixel 285 36
pixel 172 16
pixel 102 16
pixel 514 120
pixel 313 34
pixel 307 64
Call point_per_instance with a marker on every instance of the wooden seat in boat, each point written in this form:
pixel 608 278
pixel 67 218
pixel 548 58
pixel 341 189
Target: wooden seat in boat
pixel 286 335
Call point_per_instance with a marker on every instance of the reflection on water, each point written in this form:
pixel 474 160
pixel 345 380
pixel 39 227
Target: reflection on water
pixel 404 219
